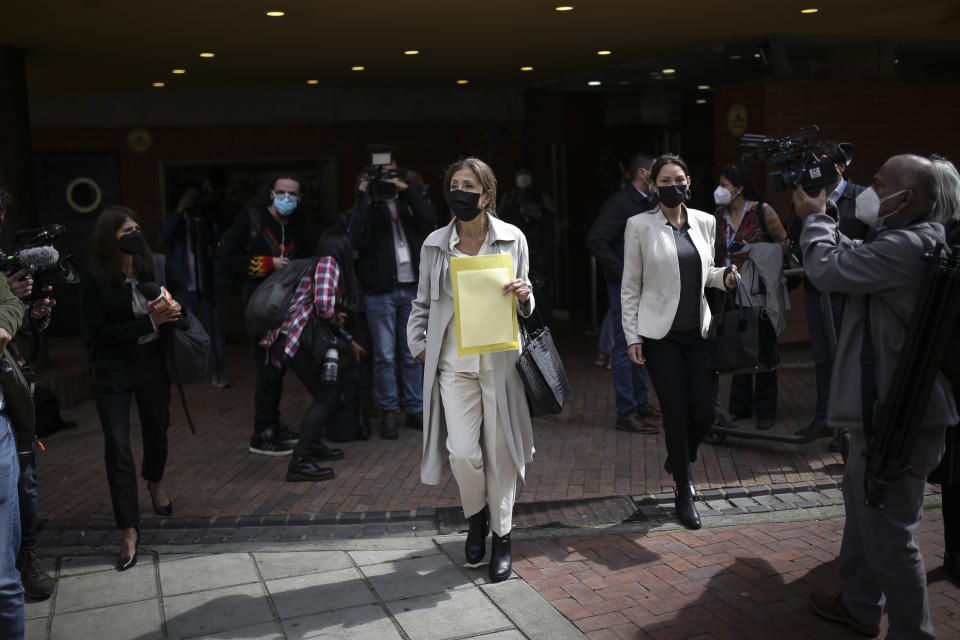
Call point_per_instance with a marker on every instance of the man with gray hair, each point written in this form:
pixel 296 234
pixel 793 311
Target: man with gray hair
pixel 880 562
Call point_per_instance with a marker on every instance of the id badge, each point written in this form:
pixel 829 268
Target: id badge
pixel 403 253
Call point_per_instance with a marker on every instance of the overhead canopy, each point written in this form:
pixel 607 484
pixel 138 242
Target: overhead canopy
pixel 123 45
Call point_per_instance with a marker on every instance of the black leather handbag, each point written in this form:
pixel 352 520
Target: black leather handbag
pixel 742 338
pixel 544 378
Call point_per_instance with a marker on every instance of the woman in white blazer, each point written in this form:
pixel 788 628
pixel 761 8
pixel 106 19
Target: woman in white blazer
pixel 668 261
pixel 475 411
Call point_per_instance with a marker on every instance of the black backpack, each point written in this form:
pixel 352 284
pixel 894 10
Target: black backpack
pixel 229 279
pixel 268 305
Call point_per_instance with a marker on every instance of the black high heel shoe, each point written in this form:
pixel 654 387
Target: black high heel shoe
pixel 126 562
pixel 166 510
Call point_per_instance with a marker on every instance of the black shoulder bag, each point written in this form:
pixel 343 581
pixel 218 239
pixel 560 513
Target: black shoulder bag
pixel 742 338
pixel 544 378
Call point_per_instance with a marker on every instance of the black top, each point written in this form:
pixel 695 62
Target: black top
pixel 245 258
pixel 690 265
pixel 605 239
pixel 372 231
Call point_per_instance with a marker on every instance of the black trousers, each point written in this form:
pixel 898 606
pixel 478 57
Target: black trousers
pixel 751 392
pixel 267 391
pixel 308 370
pixel 153 405
pixel 687 391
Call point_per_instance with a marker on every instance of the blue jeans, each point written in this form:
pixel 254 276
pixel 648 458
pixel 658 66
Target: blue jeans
pixel 387 315
pixel 28 494
pixel 11 591
pixel 605 341
pixel 822 358
pixel 629 380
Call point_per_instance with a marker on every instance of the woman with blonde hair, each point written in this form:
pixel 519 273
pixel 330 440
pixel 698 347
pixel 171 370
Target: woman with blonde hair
pixel 474 407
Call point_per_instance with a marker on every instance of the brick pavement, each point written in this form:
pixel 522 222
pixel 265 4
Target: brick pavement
pixel 743 581
pixel 579 455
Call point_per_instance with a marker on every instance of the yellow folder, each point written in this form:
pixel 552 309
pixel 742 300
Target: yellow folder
pixel 486 319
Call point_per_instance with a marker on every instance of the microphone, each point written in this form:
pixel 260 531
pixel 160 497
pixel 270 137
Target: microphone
pixel 47 231
pixel 158 297
pixel 37 259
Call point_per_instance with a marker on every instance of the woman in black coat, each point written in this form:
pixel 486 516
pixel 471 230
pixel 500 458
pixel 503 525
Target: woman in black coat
pixel 125 340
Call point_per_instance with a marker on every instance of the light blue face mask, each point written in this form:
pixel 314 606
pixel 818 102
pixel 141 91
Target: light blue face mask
pixel 284 203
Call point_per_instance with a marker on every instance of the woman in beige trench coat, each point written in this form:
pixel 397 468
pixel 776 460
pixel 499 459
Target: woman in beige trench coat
pixel 475 412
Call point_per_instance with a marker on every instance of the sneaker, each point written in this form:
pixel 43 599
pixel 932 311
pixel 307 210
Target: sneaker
pixel 600 361
pixel 829 606
pixel 286 436
pixel 220 382
pixel 265 444
pixel 816 429
pixel 37 583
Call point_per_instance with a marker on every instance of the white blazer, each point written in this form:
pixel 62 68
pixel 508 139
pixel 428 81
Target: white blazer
pixel 650 290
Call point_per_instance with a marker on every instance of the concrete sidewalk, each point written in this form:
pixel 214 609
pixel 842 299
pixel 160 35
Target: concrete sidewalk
pixel 410 588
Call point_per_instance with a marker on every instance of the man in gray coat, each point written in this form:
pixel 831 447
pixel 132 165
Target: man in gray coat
pixel 880 562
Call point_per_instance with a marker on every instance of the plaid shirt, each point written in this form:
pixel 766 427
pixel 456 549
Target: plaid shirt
pixel 315 295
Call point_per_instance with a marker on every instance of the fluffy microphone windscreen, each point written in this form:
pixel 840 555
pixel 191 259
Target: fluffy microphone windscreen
pixel 150 290
pixel 38 258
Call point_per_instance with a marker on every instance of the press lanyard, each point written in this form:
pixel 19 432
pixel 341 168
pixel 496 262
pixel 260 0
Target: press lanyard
pixel 394 218
pixel 731 233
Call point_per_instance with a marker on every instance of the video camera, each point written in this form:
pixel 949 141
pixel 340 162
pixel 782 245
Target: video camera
pixel 799 160
pixel 36 254
pixel 378 173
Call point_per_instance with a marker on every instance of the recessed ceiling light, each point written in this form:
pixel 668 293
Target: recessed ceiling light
pixel 313 82
pixel 159 84
pixel 703 87
pixel 668 72
pixel 604 52
pixel 808 11
pixel 411 52
pixel 462 81
pixel 526 68
pixel 736 56
pixel 594 83
pixel 564 7
pixel 896 61
pixel 623 82
pixel 276 14
pixel 357 68
pixel 207 54
pixel 178 72
pixel 701 101
pixel 756 55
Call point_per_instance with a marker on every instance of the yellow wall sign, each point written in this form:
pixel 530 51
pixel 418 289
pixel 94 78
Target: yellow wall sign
pixel 139 140
pixel 737 119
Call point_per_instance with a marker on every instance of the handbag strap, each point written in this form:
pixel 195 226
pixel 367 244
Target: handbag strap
pixel 524 330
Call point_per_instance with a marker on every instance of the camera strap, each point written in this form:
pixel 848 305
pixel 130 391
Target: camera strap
pixel 868 380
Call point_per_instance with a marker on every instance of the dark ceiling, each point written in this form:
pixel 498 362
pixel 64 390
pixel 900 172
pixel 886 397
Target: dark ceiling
pixel 122 45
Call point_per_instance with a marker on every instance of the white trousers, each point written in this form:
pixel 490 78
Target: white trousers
pixel 479 456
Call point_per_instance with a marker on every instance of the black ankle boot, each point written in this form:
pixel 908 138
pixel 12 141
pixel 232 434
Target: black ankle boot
pixel 501 562
pixel 476 545
pixel 686 506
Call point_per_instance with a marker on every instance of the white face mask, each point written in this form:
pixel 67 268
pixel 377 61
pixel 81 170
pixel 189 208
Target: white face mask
pixel 524 180
pixel 721 196
pixel 868 206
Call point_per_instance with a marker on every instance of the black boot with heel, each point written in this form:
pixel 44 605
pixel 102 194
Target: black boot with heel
pixel 685 502
pixel 501 561
pixel 476 546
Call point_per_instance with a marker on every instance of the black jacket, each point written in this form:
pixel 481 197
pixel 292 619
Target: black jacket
pixel 244 247
pixel 605 239
pixel 111 331
pixel 371 231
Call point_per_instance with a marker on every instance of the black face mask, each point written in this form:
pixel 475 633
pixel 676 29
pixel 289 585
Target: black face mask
pixel 131 243
pixel 672 196
pixel 464 204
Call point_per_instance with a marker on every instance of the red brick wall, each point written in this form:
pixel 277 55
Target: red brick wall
pixel 880 119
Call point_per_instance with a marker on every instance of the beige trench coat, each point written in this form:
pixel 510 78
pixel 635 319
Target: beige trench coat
pixel 432 312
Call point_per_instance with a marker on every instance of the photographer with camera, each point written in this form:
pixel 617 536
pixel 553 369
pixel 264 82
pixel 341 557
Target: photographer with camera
pixel 37 583
pixel 262 240
pixel 880 562
pixel 388 224
pixel 16 440
pixel 192 231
